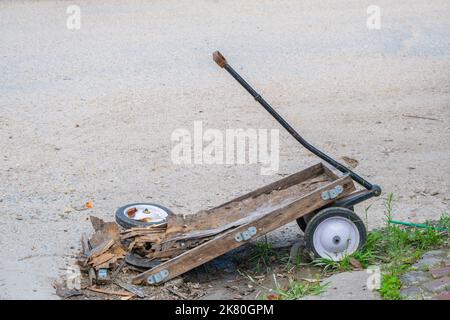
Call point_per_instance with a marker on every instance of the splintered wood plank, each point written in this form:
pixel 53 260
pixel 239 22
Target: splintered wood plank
pixel 110 292
pixel 226 241
pixel 151 229
pixel 101 259
pixel 101 248
pixel 260 201
pixel 85 244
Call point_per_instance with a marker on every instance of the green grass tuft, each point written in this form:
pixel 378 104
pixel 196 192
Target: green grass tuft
pixel 390 287
pixel 262 255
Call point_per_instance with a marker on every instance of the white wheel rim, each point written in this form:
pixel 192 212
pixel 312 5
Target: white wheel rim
pixel 335 238
pixel 147 213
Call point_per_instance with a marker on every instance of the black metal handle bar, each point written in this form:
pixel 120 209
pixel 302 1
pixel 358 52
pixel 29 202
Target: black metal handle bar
pixel 374 189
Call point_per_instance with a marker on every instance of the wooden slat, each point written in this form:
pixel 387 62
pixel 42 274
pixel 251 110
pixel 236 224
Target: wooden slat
pixel 236 209
pixel 331 171
pixel 226 242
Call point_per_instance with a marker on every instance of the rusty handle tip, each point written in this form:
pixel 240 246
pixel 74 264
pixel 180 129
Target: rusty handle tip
pixel 219 59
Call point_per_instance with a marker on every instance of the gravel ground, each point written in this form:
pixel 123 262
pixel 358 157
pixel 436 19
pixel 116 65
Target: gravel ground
pixel 88 114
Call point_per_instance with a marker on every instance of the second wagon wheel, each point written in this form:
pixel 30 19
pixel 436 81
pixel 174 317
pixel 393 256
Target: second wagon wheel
pixel 135 215
pixel 334 233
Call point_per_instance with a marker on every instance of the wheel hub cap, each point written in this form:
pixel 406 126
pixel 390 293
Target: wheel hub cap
pixel 147 213
pixel 336 237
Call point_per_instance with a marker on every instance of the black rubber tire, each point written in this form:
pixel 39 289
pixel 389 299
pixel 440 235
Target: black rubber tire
pixel 128 223
pixel 302 221
pixel 328 213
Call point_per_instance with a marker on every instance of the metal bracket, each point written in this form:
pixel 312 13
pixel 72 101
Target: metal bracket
pixel 332 193
pixel 103 276
pixel 245 235
pixel 158 277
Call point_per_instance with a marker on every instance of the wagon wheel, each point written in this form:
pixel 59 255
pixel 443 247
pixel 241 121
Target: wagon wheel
pixel 302 222
pixel 141 215
pixel 334 233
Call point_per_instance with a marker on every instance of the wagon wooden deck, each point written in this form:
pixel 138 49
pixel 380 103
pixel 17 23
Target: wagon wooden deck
pixel 248 217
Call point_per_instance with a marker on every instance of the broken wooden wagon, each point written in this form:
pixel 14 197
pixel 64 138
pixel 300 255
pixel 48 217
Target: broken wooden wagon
pixel 320 198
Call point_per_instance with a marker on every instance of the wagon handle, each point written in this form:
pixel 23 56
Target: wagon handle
pixel 373 189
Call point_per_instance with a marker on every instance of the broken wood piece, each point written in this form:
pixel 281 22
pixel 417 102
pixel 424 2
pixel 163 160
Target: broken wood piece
pixel 146 239
pixel 85 244
pixel 97 223
pixel 101 248
pixel 101 259
pixel 92 276
pixel 117 270
pixel 135 290
pixel 150 236
pixel 103 231
pixel 118 250
pixel 147 229
pixel 109 292
pixel 106 265
pixel 131 245
pixel 151 229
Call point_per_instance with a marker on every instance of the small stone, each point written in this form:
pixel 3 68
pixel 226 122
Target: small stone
pixel 412 293
pixel 437 273
pixel 68 209
pixel 442 296
pixel 414 277
pixel 430 260
pixel 295 252
pixel 437 285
